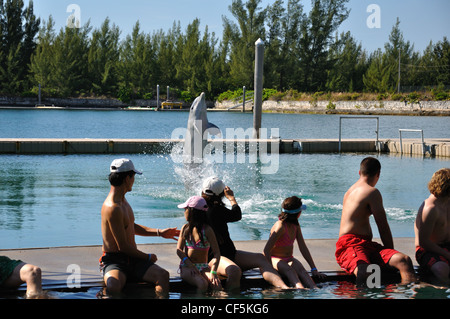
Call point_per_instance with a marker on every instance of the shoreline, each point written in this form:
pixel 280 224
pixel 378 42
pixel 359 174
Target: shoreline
pixel 421 108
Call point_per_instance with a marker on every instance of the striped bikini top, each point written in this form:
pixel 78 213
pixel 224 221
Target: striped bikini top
pixel 285 240
pixel 199 244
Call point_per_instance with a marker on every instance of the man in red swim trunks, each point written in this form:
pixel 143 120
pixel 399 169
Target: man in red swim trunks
pixel 432 228
pixel 355 250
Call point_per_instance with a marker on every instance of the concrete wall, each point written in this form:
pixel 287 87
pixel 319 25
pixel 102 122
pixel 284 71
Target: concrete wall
pixel 379 107
pixel 158 146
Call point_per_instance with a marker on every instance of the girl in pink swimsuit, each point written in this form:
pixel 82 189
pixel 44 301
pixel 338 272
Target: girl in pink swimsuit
pixel 195 240
pixel 280 246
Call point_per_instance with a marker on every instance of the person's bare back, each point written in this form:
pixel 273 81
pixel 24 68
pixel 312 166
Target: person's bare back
pixel 360 202
pixel 356 210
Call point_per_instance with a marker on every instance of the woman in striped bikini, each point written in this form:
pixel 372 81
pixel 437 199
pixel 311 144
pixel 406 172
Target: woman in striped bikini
pixel 196 238
pixel 280 245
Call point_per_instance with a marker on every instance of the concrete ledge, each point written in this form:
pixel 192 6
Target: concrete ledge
pixel 56 262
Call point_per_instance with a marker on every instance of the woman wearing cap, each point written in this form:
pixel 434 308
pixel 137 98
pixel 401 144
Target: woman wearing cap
pixel 232 261
pixel 196 239
pixel 280 245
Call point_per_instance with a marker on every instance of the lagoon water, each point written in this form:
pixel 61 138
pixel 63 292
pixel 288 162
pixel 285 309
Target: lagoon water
pixel 45 123
pixel 55 200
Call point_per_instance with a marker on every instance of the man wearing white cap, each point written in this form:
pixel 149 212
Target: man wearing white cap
pixel 121 260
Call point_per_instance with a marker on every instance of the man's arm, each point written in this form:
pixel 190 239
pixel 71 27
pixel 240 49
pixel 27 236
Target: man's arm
pixel 379 214
pixel 165 233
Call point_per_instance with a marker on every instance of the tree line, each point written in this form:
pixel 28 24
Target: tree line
pixel 303 52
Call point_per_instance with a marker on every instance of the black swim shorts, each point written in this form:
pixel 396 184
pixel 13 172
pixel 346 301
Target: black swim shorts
pixel 133 268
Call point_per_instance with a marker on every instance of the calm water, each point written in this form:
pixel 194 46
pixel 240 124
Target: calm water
pixel 150 124
pixel 55 200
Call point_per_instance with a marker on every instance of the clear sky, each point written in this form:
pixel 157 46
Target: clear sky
pixel 420 20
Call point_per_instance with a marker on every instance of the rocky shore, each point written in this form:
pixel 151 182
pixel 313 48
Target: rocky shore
pixel 441 108
pixel 438 108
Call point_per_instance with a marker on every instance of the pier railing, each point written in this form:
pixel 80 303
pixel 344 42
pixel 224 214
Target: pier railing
pixel 377 146
pixel 409 130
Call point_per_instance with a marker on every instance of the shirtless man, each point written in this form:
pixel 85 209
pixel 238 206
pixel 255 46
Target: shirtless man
pixel 121 259
pixel 432 228
pixel 355 250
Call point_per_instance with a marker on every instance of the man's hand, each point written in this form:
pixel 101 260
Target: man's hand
pixel 170 233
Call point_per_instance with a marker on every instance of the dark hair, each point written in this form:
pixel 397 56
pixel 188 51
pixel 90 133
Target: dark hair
pixel 370 166
pixel 116 179
pixel 214 200
pixel 290 203
pixel 196 219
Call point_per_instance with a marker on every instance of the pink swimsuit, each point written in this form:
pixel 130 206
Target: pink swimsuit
pixel 285 241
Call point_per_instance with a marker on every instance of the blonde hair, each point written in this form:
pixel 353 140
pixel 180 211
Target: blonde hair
pixel 439 184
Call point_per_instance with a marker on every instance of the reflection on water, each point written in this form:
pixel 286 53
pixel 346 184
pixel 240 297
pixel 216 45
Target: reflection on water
pixel 326 290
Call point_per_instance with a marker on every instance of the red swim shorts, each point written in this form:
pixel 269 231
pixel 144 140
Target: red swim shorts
pixel 427 259
pixel 354 250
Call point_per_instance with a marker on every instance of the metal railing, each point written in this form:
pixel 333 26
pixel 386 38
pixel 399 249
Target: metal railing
pixel 246 98
pixel 377 147
pixel 408 130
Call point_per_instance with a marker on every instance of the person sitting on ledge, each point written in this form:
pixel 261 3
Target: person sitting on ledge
pixel 432 228
pixel 121 259
pixel 13 273
pixel 280 246
pixel 355 250
pixel 195 241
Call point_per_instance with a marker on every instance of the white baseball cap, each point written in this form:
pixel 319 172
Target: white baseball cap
pixel 122 165
pixel 213 186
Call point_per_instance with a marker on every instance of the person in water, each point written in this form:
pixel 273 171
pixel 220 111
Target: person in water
pixel 232 261
pixel 196 239
pixel 121 259
pixel 13 273
pixel 355 250
pixel 280 246
pixel 432 228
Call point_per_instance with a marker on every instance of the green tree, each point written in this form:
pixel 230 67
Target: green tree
pixel 316 37
pixel 281 67
pixel 348 66
pixel 397 50
pixel 42 66
pixel 103 59
pixel 243 35
pixel 434 65
pixel 376 79
pixel 137 61
pixel 18 29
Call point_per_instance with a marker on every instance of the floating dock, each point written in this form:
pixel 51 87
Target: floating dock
pixel 439 147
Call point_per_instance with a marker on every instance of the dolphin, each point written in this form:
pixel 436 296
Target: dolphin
pixel 196 139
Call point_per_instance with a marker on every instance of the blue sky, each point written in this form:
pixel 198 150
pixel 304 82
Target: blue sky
pixel 420 20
